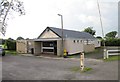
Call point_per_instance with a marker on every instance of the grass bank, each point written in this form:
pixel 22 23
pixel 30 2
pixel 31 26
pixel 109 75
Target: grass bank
pixel 113 58
pixel 11 52
pixel 77 69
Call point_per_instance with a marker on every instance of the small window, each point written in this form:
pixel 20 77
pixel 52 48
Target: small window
pixel 74 41
pixel 98 42
pixel 29 43
pixel 47 30
pixel 77 41
pixel 81 41
pixel 51 45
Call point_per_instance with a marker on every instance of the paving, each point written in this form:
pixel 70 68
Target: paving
pixel 43 68
pixel 0 68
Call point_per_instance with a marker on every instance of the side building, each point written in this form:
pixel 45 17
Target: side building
pixel 50 42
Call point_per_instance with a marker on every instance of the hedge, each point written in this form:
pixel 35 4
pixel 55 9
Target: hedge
pixel 11 44
pixel 111 42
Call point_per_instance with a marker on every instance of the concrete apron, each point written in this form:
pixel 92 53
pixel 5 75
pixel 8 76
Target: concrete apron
pixel 74 59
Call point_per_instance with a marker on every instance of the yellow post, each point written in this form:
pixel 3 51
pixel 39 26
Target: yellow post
pixel 82 61
pixel 65 53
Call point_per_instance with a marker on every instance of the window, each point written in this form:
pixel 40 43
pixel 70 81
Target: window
pixel 98 42
pixel 81 41
pixel 51 44
pixel 29 43
pixel 77 41
pixel 47 44
pixel 48 50
pixel 47 30
pixel 74 41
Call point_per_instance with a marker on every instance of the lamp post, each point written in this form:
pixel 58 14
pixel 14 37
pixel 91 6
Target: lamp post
pixel 62 33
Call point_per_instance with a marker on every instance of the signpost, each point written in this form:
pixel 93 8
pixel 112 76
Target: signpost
pixel 82 61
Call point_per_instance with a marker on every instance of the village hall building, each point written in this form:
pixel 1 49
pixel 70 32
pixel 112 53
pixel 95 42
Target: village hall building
pixel 50 42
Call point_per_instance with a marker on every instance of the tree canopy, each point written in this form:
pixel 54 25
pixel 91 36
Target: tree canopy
pixel 99 37
pixel 6 8
pixel 20 38
pixel 111 34
pixel 90 30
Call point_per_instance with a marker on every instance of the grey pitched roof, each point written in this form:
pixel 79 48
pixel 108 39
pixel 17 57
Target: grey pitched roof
pixel 72 34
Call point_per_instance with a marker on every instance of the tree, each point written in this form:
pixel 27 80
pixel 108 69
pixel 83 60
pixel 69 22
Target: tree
pixel 11 44
pixel 111 42
pixel 89 30
pixel 111 34
pixel 27 38
pixel 99 37
pixel 20 38
pixel 6 9
pixel 10 39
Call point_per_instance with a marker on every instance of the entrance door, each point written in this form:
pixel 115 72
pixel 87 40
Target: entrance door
pixel 55 47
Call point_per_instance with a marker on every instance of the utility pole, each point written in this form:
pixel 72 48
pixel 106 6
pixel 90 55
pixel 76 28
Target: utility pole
pixel 102 29
pixel 62 33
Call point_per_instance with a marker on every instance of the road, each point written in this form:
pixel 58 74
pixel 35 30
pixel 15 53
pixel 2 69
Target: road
pixel 0 68
pixel 34 68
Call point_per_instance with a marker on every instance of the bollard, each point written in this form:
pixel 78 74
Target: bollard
pixel 105 53
pixel 82 61
pixel 65 53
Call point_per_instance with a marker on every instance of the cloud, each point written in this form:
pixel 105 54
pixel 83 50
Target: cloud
pixel 77 14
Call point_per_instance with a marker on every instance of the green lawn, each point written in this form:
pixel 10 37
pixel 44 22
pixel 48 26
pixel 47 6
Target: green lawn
pixel 113 58
pixel 97 54
pixel 77 69
pixel 12 52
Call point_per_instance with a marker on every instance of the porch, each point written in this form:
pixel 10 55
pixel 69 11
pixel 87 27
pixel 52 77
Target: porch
pixel 47 46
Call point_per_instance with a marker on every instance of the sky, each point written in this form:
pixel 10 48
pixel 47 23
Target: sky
pixel 77 15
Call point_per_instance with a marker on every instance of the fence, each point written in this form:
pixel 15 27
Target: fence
pixel 112 52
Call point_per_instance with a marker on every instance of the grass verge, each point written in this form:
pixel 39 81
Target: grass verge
pixel 12 52
pixel 113 58
pixel 94 54
pixel 72 56
pixel 97 50
pixel 77 69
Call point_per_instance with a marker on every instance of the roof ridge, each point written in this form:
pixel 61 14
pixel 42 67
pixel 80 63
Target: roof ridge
pixel 66 29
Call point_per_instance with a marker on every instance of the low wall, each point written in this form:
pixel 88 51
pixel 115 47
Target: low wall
pixel 21 46
pixel 24 46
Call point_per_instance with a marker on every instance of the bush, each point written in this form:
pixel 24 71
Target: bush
pixel 11 44
pixel 111 42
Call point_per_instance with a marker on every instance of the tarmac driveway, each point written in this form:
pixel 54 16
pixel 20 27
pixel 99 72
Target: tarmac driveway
pixel 34 68
pixel 0 68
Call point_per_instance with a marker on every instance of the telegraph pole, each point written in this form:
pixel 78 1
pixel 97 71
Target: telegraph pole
pixel 102 28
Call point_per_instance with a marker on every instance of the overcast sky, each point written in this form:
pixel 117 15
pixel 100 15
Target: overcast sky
pixel 77 15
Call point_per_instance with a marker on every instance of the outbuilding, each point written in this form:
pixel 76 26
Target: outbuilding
pixel 50 42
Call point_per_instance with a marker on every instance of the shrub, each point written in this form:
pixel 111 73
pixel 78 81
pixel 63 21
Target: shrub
pixel 11 44
pixel 111 42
